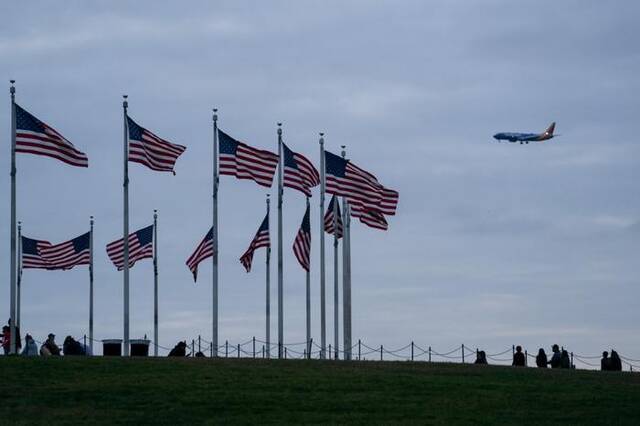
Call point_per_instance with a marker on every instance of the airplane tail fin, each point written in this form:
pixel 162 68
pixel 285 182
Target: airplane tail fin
pixel 550 129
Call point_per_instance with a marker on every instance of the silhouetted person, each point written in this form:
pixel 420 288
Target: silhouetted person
pixel 541 359
pixel 49 347
pixel 518 357
pixel 179 350
pixel 6 339
pixel 616 362
pixel 556 357
pixel 199 354
pixel 481 358
pixel 30 347
pixel 605 362
pixel 72 347
pixel 565 362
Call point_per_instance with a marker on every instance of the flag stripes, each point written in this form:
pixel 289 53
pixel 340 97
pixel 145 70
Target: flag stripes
pixel 32 253
pixel 302 243
pixel 150 150
pixel 371 218
pixel 35 137
pixel 203 251
pixel 244 162
pixel 261 239
pixel 140 247
pixel 329 218
pixel 68 254
pixel 298 172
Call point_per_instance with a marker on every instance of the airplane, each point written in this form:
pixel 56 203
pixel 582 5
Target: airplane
pixel 527 137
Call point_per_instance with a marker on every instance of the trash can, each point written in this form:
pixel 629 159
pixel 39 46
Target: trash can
pixel 112 347
pixel 139 347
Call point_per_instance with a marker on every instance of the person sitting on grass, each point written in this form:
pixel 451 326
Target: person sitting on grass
pixel 616 362
pixel 481 358
pixel 71 346
pixel 541 359
pixel 179 350
pixel 556 357
pixel 518 357
pixel 30 347
pixel 49 347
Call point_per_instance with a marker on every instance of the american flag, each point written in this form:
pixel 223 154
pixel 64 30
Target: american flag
pixel 371 218
pixel 35 137
pixel 358 186
pixel 140 247
pixel 68 254
pixel 203 251
pixel 32 253
pixel 150 150
pixel 260 240
pixel 299 172
pixel 244 162
pixel 328 218
pixel 302 243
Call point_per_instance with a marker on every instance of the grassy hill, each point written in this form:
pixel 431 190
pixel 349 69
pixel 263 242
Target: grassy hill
pixel 197 391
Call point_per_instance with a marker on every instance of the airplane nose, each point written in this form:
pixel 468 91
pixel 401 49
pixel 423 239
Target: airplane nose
pixel 495 136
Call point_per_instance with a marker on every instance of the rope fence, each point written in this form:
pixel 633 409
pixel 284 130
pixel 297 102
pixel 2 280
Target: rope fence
pixel 360 351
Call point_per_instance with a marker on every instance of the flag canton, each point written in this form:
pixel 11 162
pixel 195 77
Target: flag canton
pixel 209 235
pixel 81 243
pixel 145 235
pixel 335 165
pixel 265 224
pixel 306 224
pixel 26 121
pixel 30 246
pixel 289 159
pixel 228 145
pixel 135 131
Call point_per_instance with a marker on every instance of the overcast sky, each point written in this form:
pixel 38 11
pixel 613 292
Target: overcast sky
pixel 493 244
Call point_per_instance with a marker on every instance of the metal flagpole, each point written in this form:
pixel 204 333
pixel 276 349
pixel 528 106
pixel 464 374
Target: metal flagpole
pixel 268 295
pixel 336 282
pixel 91 284
pixel 12 273
pixel 308 277
pixel 323 320
pixel 125 230
pixel 155 282
pixel 214 257
pixel 280 276
pixel 19 278
pixel 346 274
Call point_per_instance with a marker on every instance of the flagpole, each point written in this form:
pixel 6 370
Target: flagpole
pixel 268 295
pixel 308 277
pixel 12 273
pixel 280 275
pixel 19 278
pixel 336 282
pixel 91 284
pixel 155 282
pixel 323 320
pixel 214 257
pixel 346 274
pixel 125 230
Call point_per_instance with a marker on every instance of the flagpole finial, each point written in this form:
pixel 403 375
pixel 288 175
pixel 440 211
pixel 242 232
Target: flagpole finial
pixel 155 213
pixel 12 89
pixel 344 152
pixel 125 103
pixel 321 138
pixel 279 129
pixel 215 114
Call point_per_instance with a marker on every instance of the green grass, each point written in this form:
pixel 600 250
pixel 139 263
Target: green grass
pixel 202 391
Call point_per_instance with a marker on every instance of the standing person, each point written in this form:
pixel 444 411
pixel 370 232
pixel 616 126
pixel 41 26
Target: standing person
pixel 518 357
pixel 541 359
pixel 556 357
pixel 18 339
pixel 605 362
pixel 616 362
pixel 6 338
pixel 481 358
pixel 565 362
pixel 49 347
pixel 30 347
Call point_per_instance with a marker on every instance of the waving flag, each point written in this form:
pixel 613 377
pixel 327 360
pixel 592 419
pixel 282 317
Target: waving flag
pixel 299 172
pixel 302 243
pixel 371 218
pixel 68 254
pixel 140 247
pixel 32 253
pixel 244 162
pixel 260 240
pixel 203 251
pixel 358 186
pixel 35 137
pixel 328 218
pixel 150 150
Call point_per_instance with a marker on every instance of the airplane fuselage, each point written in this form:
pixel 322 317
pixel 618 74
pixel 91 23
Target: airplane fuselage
pixel 526 137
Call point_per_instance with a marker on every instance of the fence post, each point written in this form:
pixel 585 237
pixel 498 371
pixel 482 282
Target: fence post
pixel 262 351
pixel 571 359
pixel 193 347
pixel 85 342
pixel 380 352
pixel 226 349
pixel 285 352
pixel 359 349
pixel 238 350
pixel 310 346
pixel 463 353
pixel 526 358
pixel 412 350
pixel 429 353
pixel 330 352
pixel 513 350
pixel 254 346
pixel 211 349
